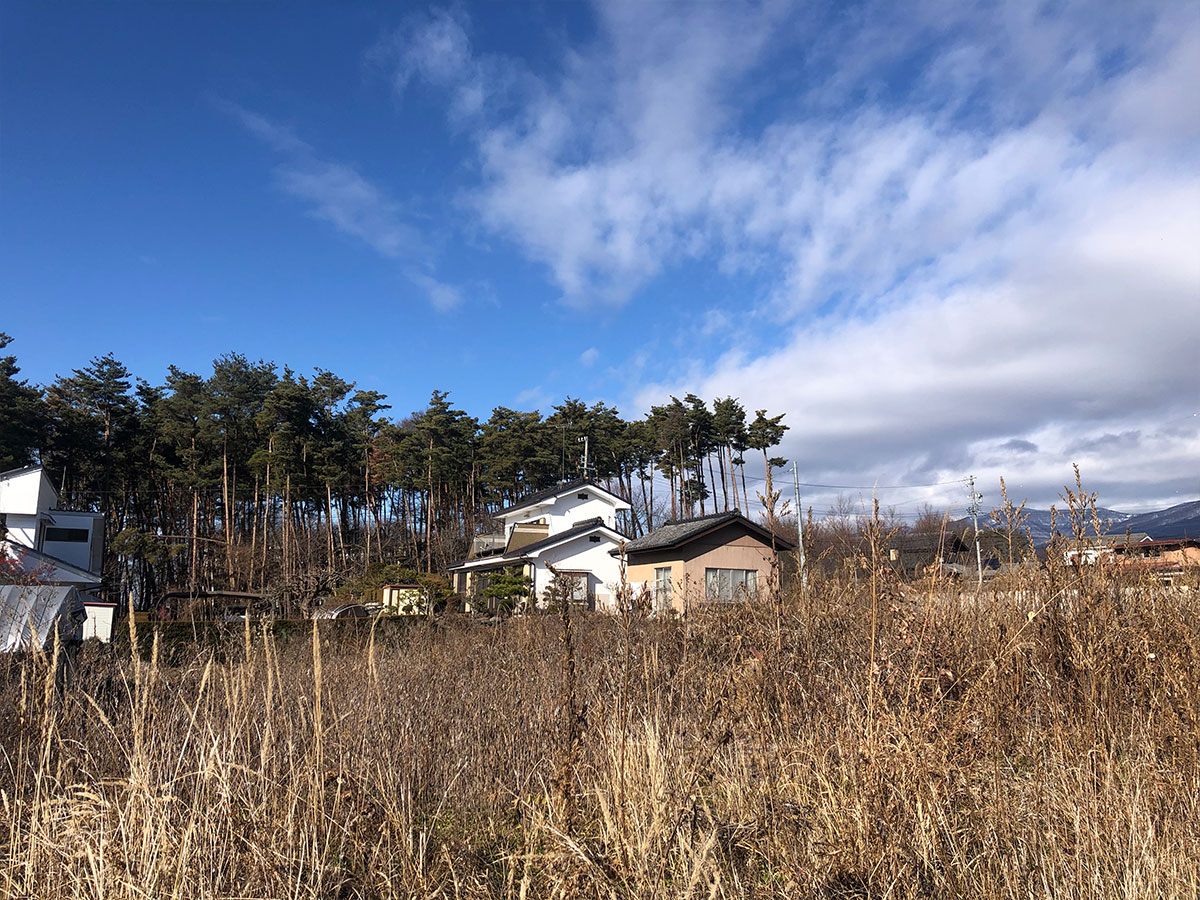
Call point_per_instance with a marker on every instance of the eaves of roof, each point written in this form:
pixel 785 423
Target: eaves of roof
pixel 487 562
pixel 523 554
pixel 20 471
pixel 581 529
pixel 678 533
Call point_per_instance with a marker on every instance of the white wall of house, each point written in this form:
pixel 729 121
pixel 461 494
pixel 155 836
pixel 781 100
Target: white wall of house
pixel 581 555
pixel 26 492
pixel 23 529
pixel 99 622
pixel 26 497
pixel 76 538
pixel 568 510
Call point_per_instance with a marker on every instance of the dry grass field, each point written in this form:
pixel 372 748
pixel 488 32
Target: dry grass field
pixel 861 740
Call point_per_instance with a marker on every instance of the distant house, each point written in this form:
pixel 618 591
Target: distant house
pixel 1092 549
pixel 568 529
pixel 913 554
pixel 51 546
pixel 1164 559
pixel 720 558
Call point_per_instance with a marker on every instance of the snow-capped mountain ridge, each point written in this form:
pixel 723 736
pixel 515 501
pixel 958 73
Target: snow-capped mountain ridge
pixel 1179 521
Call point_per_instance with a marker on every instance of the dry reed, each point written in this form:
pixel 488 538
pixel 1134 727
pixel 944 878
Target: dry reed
pixel 1040 740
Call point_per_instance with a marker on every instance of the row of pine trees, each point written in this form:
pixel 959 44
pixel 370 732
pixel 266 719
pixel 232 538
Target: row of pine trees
pixel 253 474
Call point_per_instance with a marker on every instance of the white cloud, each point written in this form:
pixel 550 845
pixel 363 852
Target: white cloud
pixel 433 47
pixel 1091 332
pixel 588 357
pixel 444 297
pixel 980 225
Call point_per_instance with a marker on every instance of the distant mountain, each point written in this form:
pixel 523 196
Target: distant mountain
pixel 1038 522
pixel 1181 520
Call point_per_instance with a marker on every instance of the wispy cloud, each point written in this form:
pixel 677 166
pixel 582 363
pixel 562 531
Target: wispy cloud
pixel 444 297
pixel 535 397
pixel 588 357
pixel 338 194
pixel 432 47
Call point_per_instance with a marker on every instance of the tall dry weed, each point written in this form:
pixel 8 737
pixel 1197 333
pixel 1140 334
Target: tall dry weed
pixel 1041 739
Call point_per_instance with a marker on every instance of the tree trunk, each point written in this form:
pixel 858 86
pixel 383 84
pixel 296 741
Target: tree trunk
pixel 195 540
pixel 429 511
pixel 253 535
pixel 227 511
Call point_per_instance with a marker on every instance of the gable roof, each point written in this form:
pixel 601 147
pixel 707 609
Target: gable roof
pixel 676 533
pixel 539 497
pixel 1120 540
pixel 580 529
pixel 577 530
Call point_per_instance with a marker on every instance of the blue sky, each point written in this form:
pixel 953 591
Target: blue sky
pixel 942 240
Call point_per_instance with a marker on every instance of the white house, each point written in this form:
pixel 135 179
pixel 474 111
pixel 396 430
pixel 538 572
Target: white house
pixel 51 546
pixel 570 528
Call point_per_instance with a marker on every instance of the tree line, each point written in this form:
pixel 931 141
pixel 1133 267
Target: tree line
pixel 253 474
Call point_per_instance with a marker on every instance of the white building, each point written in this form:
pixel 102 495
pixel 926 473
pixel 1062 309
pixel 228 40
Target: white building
pixel 51 546
pixel 26 498
pixel 32 614
pixel 570 528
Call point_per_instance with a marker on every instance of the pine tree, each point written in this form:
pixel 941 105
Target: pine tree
pixel 22 415
pixel 763 434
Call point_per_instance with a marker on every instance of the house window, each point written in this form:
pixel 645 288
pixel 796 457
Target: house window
pixel 728 585
pixel 67 535
pixel 581 496
pixel 662 587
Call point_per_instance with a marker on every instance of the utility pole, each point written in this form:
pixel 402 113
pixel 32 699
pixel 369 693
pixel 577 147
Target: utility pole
pixel 584 440
pixel 975 498
pixel 800 529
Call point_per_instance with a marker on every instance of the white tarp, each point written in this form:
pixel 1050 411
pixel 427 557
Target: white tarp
pixel 30 614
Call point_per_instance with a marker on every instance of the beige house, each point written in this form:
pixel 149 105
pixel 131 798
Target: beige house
pixel 722 558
